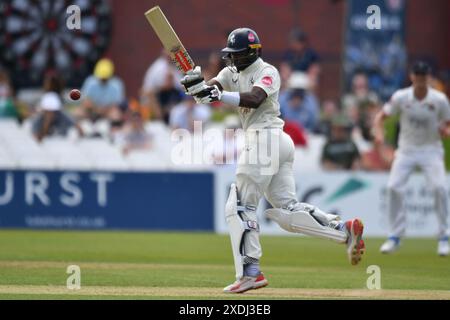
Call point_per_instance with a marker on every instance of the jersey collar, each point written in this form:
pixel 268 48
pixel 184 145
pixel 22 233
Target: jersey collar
pixel 424 98
pixel 253 67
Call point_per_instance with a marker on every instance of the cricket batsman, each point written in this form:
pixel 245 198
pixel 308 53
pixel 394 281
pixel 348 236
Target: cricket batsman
pixel 265 165
pixel 424 119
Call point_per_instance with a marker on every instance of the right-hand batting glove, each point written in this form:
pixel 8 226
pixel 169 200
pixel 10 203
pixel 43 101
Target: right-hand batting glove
pixel 193 81
pixel 209 94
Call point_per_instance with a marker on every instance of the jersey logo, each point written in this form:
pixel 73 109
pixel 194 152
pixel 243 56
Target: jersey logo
pixel 419 123
pixel 232 39
pixel 267 81
pixel 244 110
pixel 430 106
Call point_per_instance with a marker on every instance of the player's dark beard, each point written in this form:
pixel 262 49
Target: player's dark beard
pixel 229 63
pixel 240 61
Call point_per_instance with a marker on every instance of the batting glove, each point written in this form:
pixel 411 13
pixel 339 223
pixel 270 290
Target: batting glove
pixel 209 94
pixel 193 81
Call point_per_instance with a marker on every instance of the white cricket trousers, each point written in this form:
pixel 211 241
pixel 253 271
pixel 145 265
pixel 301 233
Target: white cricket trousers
pixel 264 168
pixel 431 162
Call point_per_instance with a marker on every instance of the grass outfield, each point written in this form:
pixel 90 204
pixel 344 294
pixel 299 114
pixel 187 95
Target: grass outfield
pixel 126 265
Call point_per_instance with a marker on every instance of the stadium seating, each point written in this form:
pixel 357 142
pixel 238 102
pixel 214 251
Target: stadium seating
pixel 102 154
pixel 6 160
pixel 146 160
pixel 19 150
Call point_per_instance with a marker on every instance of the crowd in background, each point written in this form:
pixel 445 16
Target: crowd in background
pixel 346 124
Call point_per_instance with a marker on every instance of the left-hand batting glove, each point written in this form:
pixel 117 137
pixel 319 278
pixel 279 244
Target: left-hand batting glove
pixel 208 94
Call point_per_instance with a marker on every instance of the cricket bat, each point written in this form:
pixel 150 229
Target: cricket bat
pixel 169 39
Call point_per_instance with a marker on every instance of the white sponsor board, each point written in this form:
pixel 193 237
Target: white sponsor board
pixel 349 194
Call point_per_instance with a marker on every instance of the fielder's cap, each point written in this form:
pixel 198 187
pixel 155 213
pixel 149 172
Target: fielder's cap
pixel 104 69
pixel 421 68
pixel 299 80
pixel 135 115
pixel 297 34
pixel 297 93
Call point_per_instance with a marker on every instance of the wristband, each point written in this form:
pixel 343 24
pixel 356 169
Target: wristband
pixel 231 98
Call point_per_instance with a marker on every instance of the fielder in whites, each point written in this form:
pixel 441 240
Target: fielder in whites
pixel 265 165
pixel 424 119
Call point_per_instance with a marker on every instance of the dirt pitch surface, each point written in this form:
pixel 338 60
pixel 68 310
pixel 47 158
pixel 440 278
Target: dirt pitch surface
pixel 183 292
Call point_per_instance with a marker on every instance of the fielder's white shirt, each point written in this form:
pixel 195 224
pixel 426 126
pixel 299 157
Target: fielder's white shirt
pixel 157 74
pixel 50 101
pixel 419 119
pixel 265 76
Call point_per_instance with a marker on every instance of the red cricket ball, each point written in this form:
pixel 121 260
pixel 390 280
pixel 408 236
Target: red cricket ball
pixel 75 94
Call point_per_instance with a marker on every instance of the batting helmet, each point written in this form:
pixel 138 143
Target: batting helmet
pixel 243 48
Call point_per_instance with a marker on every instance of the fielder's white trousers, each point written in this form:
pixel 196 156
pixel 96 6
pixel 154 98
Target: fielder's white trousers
pixel 271 175
pixel 431 163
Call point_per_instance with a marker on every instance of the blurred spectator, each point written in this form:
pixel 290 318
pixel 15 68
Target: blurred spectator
pixel 379 158
pixel 301 57
pixel 185 113
pixel 329 111
pixel 285 75
pixel 358 104
pixel 298 105
pixel 296 132
pixel 161 89
pixel 134 136
pixel 228 151
pixel 360 94
pixel 135 106
pixel 340 152
pixel 353 114
pixel 362 126
pixel 8 108
pixel 103 94
pixel 214 66
pixel 51 118
pixel 442 82
pixel 436 83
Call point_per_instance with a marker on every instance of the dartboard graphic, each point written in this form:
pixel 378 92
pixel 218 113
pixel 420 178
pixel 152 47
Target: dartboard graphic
pixel 35 39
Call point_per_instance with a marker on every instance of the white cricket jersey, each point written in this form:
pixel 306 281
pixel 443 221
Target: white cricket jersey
pixel 419 119
pixel 265 76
